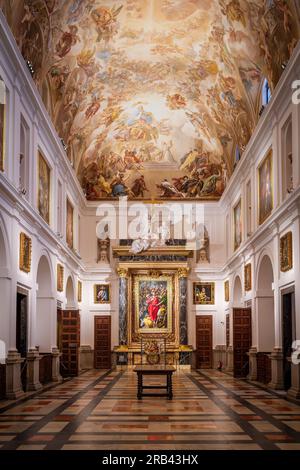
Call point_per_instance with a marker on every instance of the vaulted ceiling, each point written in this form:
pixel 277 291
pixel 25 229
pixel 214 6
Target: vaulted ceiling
pixel 152 97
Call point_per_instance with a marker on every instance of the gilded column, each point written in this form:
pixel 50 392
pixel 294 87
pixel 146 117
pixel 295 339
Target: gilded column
pixel 123 305
pixel 182 276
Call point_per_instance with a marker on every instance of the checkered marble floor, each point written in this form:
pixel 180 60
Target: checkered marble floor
pixel 99 410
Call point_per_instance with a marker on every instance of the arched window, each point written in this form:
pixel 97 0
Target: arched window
pixel 23 162
pixel 2 122
pixel 266 93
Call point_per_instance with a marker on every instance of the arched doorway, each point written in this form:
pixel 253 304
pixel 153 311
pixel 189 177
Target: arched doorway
pixel 45 307
pixel 241 331
pixel 4 290
pixel 5 312
pixel 70 294
pixel 237 293
pixel 265 323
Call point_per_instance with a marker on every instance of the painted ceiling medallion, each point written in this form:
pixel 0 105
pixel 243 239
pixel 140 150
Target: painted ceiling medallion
pixel 152 97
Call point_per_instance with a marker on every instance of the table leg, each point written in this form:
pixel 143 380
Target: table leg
pixel 140 386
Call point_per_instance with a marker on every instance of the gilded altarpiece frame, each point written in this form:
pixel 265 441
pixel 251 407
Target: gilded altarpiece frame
pixel 155 279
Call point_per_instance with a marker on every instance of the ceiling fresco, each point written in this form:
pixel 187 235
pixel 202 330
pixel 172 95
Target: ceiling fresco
pixel 152 97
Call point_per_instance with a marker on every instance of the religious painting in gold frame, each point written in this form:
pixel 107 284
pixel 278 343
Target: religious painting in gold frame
pixel 204 293
pixel 101 294
pixel 237 225
pixel 153 304
pixel 79 291
pixel 69 228
pixel 226 291
pixel 286 252
pixel 43 188
pixel 25 253
pixel 265 188
pixel 2 122
pixel 60 278
pixel 248 277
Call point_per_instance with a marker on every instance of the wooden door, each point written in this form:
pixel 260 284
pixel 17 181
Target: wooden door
pixel 241 341
pixel 204 326
pixel 102 348
pixel 287 336
pixel 227 330
pixel 69 341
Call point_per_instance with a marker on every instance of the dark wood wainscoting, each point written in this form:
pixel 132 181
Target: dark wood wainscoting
pixel 45 371
pixel 263 367
pixel 2 381
pixel 69 341
pixel 102 348
pixel 227 330
pixel 204 335
pixel 241 341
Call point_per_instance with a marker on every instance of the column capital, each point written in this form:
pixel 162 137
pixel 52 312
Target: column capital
pixel 183 272
pixel 122 272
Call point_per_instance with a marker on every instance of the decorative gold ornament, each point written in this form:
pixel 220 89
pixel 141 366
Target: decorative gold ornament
pixel 286 252
pixel 60 278
pixel 25 253
pixel 122 272
pixel 183 272
pixel 79 292
pixel 248 277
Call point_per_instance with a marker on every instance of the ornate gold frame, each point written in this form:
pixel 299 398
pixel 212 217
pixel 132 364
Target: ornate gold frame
pixel 41 157
pixel 95 294
pixel 60 278
pixel 153 277
pixel 79 291
pixel 69 207
pixel 268 155
pixel 248 277
pixel 155 270
pixel 239 203
pixel 25 253
pixel 226 291
pixel 208 302
pixel 287 238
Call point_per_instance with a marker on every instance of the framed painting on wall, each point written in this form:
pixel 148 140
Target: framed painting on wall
pixel 2 122
pixel 153 300
pixel 226 291
pixel 101 293
pixel 43 188
pixel 60 278
pixel 25 253
pixel 265 188
pixel 69 228
pixel 79 291
pixel 237 225
pixel 248 277
pixel 204 293
pixel 286 252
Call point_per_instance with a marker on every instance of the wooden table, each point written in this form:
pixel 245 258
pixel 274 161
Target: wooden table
pixel 154 370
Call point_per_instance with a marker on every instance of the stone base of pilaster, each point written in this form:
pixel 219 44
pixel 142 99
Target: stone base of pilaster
pixel 33 370
pixel 14 388
pixel 86 357
pixel 294 391
pixel 56 377
pixel 252 364
pixel 277 382
pixel 219 356
pixel 229 359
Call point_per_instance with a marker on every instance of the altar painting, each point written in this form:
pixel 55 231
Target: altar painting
pixel 153 304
